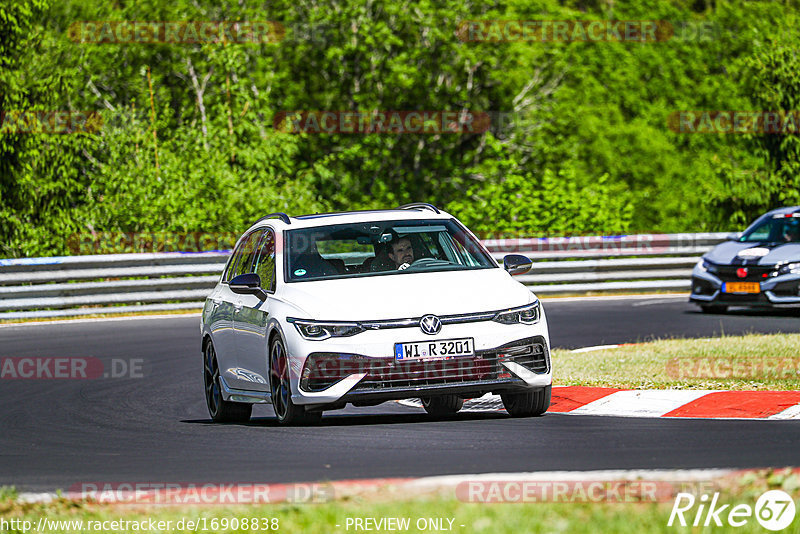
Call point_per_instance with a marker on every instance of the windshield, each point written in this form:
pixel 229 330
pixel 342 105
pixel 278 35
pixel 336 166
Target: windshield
pixel 775 229
pixel 383 247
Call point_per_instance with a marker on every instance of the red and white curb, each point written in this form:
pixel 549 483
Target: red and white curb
pixel 688 403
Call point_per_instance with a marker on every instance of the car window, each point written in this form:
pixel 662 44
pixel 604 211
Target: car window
pixel 265 261
pixel 243 256
pixel 777 229
pixel 382 247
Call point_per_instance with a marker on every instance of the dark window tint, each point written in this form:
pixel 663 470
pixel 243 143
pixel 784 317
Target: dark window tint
pixel 243 256
pixel 265 261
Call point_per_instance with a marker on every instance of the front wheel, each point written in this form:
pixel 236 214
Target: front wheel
pixel 527 404
pixel 443 405
pixel 287 412
pixel 220 410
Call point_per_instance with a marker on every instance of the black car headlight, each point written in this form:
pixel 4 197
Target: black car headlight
pixel 318 330
pixel 789 268
pixel 528 314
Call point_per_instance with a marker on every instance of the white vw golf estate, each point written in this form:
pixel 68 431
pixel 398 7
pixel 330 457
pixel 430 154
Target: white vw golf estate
pixel 317 311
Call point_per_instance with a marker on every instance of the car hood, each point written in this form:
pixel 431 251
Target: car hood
pixel 726 253
pixel 407 295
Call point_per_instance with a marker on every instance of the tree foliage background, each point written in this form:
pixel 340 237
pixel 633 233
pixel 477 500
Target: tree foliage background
pixel 188 143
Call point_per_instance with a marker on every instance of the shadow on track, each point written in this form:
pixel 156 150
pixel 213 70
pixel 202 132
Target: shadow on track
pixel 335 420
pixel 750 312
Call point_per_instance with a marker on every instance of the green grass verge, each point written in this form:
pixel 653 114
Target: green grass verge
pixel 332 516
pixel 767 362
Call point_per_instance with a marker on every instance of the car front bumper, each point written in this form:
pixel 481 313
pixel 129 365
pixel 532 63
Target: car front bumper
pixel 776 292
pixel 507 358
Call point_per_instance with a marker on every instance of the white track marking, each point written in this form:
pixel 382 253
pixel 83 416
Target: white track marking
pixel 640 403
pixel 792 412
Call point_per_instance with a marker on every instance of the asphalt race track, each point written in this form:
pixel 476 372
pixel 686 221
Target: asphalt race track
pixel 155 428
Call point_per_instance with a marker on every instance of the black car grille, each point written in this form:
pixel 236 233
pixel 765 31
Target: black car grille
pixel 325 369
pixel 755 273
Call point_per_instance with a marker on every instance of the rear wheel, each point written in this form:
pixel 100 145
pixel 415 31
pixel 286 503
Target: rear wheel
pixel 220 410
pixel 527 404
pixel 287 412
pixel 443 405
pixel 714 308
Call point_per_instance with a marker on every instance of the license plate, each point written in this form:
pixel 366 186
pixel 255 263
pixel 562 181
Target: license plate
pixel 432 350
pixel 741 287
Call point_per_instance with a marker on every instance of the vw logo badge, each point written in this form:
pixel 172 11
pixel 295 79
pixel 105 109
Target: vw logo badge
pixel 430 324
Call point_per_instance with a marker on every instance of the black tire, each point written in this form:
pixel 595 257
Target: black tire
pixel 442 405
pixel 714 308
pixel 527 404
pixel 220 410
pixel 286 411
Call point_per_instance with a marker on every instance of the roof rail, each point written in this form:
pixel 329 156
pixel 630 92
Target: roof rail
pixel 419 205
pixel 278 214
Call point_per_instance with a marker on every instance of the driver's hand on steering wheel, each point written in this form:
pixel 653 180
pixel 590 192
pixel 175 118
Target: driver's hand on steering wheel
pixel 404 266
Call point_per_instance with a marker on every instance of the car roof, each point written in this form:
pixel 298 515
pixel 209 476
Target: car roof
pixel 283 221
pixel 784 211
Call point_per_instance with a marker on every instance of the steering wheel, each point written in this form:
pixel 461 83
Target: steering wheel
pixel 423 262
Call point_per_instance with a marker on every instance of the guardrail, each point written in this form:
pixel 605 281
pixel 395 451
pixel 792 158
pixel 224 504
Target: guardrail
pixel 121 283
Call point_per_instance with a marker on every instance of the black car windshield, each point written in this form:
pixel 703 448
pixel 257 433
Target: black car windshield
pixel 382 247
pixel 774 229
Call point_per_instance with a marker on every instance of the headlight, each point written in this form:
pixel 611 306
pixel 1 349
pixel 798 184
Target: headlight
pixel 316 331
pixel 789 268
pixel 528 314
pixel 706 266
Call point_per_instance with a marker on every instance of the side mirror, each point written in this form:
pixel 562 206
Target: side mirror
pixel 517 264
pixel 248 284
pixel 734 236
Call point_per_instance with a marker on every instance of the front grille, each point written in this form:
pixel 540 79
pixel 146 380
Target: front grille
pixel 325 369
pixel 755 273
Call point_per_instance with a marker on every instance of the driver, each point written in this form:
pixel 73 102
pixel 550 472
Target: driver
pixel 791 232
pixel 401 253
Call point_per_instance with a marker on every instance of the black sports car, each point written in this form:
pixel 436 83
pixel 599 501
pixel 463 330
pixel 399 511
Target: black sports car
pixel 759 267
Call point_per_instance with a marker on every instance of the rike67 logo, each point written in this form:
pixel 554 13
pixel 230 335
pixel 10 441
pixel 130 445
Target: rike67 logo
pixel 774 510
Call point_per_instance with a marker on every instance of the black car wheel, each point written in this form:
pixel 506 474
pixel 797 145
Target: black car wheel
pixel 287 412
pixel 220 410
pixel 527 404
pixel 443 405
